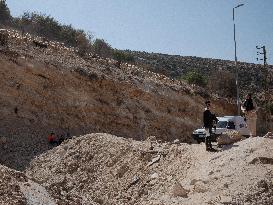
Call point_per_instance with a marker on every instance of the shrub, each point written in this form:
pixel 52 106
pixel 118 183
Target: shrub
pixel 102 48
pixel 122 56
pixel 47 26
pixel 194 77
pixel 5 17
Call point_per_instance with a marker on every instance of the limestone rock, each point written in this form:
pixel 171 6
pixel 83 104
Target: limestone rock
pixel 179 191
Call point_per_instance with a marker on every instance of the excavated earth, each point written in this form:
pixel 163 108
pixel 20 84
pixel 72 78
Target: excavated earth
pixel 53 89
pixel 105 169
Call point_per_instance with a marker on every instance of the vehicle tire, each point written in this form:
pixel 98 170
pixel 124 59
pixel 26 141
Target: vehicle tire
pixel 198 141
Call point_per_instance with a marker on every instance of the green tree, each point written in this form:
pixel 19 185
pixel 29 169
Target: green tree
pixel 47 26
pixel 194 77
pixel 102 48
pixel 5 17
pixel 122 56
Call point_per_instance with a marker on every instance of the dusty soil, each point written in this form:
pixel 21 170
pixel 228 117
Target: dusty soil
pixel 45 90
pixel 105 169
pixel 10 193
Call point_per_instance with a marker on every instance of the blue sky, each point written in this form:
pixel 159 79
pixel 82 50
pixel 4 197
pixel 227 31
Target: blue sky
pixel 202 28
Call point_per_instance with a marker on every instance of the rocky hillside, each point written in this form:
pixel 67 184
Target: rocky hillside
pixel 53 89
pixel 104 169
pixel 48 87
pixel 251 76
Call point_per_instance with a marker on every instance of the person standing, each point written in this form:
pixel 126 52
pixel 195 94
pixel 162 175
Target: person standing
pixel 208 118
pixel 249 108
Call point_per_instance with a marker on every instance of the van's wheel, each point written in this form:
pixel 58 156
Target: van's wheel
pixel 195 141
pixel 198 141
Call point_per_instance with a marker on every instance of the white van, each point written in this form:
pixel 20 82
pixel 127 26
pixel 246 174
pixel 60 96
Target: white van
pixel 225 123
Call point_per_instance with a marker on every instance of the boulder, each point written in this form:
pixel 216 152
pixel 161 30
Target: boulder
pixel 179 191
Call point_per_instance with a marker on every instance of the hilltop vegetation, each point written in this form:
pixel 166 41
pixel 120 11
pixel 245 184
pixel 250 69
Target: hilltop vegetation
pixel 46 26
pixel 214 75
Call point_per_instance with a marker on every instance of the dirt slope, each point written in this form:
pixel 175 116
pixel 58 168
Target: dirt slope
pixel 10 193
pixel 44 90
pixel 17 189
pixel 104 169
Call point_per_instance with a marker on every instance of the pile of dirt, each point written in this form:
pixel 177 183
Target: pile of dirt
pixel 10 193
pixel 17 189
pixel 105 169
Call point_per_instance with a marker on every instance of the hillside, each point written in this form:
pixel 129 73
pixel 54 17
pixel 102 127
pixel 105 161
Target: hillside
pixel 53 89
pixel 123 126
pixel 251 76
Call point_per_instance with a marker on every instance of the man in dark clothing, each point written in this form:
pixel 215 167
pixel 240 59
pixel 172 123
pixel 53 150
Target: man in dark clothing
pixel 208 119
pixel 248 103
pixel 249 109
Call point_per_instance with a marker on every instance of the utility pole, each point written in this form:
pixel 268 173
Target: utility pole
pixel 264 59
pixel 262 53
pixel 235 59
pixel 265 72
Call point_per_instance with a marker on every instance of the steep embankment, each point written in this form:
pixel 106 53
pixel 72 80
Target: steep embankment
pixel 104 169
pixel 53 89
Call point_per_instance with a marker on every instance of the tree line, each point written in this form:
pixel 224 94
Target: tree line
pixel 46 26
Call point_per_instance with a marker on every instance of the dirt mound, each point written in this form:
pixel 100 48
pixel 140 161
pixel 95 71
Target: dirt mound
pixel 17 189
pixel 10 193
pixel 104 169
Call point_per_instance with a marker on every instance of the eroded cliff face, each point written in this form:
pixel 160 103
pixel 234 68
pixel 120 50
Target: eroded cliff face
pixel 44 90
pixel 37 98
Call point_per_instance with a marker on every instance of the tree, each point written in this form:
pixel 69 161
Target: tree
pixel 122 56
pixel 102 48
pixel 47 26
pixel 83 42
pixel 194 77
pixel 5 17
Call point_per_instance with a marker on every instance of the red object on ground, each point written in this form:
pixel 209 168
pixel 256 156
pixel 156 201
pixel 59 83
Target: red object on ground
pixel 51 138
